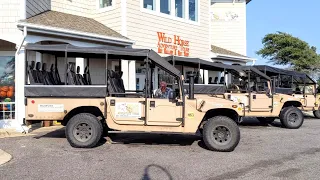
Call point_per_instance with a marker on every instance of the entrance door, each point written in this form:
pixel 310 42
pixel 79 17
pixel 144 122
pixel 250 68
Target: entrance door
pixel 162 112
pixel 260 102
pixel 126 110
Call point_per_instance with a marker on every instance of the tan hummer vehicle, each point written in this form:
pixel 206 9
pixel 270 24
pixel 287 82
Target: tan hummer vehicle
pixel 298 87
pixel 93 96
pixel 245 85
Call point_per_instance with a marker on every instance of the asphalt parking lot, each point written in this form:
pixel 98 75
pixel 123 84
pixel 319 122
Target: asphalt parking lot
pixel 264 152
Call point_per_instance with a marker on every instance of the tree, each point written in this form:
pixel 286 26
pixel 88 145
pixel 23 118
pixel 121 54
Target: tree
pixel 284 49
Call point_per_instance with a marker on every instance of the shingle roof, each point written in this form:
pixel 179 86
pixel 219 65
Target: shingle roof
pixel 72 22
pixel 219 50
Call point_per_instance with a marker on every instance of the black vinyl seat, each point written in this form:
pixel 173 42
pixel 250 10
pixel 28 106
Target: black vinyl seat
pixel 45 75
pixel 39 73
pixel 115 84
pixel 80 78
pixel 71 80
pixel 215 80
pixel 222 80
pixel 53 75
pixel 86 76
pixel 32 73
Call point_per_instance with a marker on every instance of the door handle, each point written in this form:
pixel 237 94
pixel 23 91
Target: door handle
pixel 152 104
pixel 254 96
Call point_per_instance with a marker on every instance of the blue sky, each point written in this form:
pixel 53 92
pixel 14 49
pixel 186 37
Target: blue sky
pixel 299 18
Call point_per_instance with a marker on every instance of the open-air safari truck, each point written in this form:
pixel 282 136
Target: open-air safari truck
pixel 298 87
pixel 245 85
pixel 86 102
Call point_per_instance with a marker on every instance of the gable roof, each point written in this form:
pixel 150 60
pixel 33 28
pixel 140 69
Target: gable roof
pixel 219 50
pixel 76 23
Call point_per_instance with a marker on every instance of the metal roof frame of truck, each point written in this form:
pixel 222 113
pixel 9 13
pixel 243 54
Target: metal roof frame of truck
pixel 104 52
pixel 207 65
pixel 297 76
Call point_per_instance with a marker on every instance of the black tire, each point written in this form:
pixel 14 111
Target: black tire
pixel 84 130
pixel 266 120
pixel 291 117
pixel 221 133
pixel 316 114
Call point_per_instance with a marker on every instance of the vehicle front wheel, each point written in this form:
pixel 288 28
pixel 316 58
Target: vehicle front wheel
pixel 84 130
pixel 291 117
pixel 267 120
pixel 316 114
pixel 221 133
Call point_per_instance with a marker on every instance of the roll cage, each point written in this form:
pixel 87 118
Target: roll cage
pixel 247 74
pixel 43 83
pixel 287 81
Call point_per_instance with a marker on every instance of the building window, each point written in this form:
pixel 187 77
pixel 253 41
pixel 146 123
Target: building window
pixel 165 6
pixel 193 10
pixel 149 4
pixel 105 3
pixel 184 9
pixel 179 8
pixel 7 87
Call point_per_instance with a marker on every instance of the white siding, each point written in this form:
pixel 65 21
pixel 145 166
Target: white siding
pixel 143 27
pixel 75 7
pixel 34 7
pixel 9 15
pixel 226 32
pixel 111 18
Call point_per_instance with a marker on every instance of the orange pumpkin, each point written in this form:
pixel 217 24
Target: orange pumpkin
pixel 5 88
pixel 3 94
pixel 11 88
pixel 9 94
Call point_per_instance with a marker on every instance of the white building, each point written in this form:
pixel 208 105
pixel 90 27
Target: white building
pixel 211 30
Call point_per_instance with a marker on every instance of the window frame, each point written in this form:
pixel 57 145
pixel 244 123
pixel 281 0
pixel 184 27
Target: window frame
pixel 172 16
pixel 107 8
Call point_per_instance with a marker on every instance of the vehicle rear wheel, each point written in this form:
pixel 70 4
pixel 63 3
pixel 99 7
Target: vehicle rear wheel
pixel 316 114
pixel 221 133
pixel 84 130
pixel 291 117
pixel 267 120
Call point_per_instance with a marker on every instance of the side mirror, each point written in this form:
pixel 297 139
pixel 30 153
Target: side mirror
pixel 172 95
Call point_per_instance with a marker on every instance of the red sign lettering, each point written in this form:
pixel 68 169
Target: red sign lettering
pixel 177 47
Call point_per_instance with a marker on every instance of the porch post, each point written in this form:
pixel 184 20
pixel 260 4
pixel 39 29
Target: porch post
pixel 132 75
pixel 19 88
pixel 125 76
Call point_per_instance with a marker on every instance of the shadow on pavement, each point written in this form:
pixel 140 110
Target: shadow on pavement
pixel 153 139
pixel 250 122
pixel 157 171
pixel 58 133
pixel 133 138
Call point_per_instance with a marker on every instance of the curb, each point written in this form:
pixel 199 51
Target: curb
pixel 4 157
pixel 5 133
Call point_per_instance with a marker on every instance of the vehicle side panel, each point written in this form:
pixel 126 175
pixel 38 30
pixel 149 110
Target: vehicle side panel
pixel 58 108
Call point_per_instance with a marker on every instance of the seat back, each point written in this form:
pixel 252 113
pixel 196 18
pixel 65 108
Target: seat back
pixel 222 80
pixel 86 76
pixel 32 73
pixel 80 77
pixel 39 73
pixel 45 75
pixel 120 80
pixel 215 80
pixel 70 75
pixel 53 75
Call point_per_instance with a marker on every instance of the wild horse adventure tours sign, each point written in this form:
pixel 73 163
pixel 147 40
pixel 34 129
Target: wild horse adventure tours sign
pixel 173 45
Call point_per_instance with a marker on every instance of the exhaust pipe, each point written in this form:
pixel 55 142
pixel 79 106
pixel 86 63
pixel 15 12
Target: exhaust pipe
pixel 191 85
